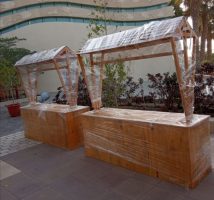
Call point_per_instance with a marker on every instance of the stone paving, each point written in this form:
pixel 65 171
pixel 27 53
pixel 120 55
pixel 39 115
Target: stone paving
pixel 34 171
pixel 15 142
pixel 49 173
pixel 212 150
pixel 9 124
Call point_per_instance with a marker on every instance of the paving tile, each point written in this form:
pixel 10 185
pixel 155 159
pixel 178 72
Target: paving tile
pixel 91 170
pixel 132 188
pixel 15 142
pixel 21 185
pixel 212 151
pixel 7 170
pixel 114 196
pixel 45 194
pixel 9 124
pixel 5 195
pixel 76 189
pixel 160 194
pixel 146 179
pixel 204 191
pixel 113 178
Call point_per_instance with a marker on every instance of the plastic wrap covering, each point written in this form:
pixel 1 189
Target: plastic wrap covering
pixel 149 32
pixel 155 143
pixel 54 124
pixel 70 77
pixel 173 37
pixel 62 59
pixel 29 82
pixel 94 76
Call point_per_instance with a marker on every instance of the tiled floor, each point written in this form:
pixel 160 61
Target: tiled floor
pixel 15 142
pixel 49 173
pixel 9 124
pixel 7 170
pixel 212 150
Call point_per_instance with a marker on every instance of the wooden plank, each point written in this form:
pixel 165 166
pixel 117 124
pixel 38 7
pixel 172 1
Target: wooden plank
pixel 158 144
pixel 70 83
pixel 26 91
pixel 57 125
pixel 95 104
pixel 83 71
pixel 136 58
pixel 101 76
pixel 30 87
pixel 180 80
pixel 60 76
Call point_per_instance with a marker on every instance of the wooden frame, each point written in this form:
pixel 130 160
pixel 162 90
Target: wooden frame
pixel 183 31
pixel 36 67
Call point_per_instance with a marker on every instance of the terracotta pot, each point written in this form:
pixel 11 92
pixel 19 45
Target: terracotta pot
pixel 14 109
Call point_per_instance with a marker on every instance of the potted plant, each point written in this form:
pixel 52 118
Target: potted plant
pixel 9 80
pixel 9 54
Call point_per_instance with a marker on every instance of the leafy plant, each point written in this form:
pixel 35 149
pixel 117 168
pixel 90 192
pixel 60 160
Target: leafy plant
pixel 9 54
pixel 134 92
pixel 98 25
pixel 206 68
pixel 166 89
pixel 204 92
pixel 113 86
pixel 115 73
pixel 83 96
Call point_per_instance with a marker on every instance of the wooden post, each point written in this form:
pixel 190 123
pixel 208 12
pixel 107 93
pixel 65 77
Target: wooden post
pixel 69 77
pixel 189 99
pixel 83 72
pixel 182 87
pixel 96 105
pixel 194 58
pixel 60 76
pixel 30 86
pixel 101 77
pixel 22 83
pixel 185 54
pixel 36 86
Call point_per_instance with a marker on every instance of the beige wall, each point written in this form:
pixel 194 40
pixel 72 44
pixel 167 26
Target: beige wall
pixel 83 13
pixel 50 35
pixel 111 3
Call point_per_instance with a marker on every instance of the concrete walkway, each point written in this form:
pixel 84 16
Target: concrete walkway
pixel 44 172
pixel 9 124
pixel 33 171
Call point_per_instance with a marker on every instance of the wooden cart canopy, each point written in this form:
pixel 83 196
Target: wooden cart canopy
pixel 46 56
pixel 176 27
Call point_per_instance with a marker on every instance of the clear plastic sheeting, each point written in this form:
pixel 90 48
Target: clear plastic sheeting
pixel 94 77
pixel 172 37
pixel 149 32
pixel 62 59
pixel 29 82
pixel 159 144
pixel 39 57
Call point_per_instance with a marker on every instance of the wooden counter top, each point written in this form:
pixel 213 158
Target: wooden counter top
pixel 154 117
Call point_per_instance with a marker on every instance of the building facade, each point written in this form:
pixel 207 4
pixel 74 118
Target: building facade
pixel 48 24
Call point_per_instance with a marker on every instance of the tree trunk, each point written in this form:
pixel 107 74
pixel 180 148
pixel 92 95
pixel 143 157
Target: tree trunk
pixel 209 43
pixel 195 6
pixel 204 31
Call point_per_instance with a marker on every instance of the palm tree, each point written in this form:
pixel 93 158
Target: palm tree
pixel 207 20
pixel 210 34
pixel 193 10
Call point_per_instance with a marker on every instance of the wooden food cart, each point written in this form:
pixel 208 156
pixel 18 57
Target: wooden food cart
pixel 170 146
pixel 54 124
